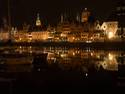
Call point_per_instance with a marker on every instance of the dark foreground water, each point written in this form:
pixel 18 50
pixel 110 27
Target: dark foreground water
pixel 66 70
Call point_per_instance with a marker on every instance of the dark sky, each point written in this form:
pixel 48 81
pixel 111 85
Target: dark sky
pixel 26 10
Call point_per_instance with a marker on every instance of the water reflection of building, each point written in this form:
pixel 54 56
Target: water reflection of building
pixel 79 59
pixel 110 63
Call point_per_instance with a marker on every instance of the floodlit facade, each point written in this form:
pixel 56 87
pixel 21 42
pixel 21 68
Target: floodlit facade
pixel 39 36
pixel 85 15
pixel 4 36
pixel 84 29
pixel 110 29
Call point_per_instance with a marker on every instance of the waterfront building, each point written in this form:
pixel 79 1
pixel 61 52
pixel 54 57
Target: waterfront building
pixel 118 14
pixel 4 36
pixel 78 31
pixel 37 32
pixel 85 15
pixel 84 29
pixel 110 62
pixel 110 29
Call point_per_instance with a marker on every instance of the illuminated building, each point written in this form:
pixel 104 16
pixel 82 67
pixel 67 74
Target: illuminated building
pixel 97 25
pixel 118 14
pixel 110 29
pixel 83 29
pixel 63 29
pixel 85 15
pixel 4 36
pixel 37 32
pixel 38 22
pixel 37 25
pixel 69 31
pixel 51 31
pixel 88 29
pixel 21 36
pixel 40 36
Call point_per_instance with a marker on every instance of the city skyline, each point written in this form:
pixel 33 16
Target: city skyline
pixel 50 11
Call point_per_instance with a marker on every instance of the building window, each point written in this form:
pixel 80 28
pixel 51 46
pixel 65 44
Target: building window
pixel 118 8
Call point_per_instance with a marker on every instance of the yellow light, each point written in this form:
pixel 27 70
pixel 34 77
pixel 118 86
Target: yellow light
pixel 31 52
pixel 38 23
pixel 20 52
pixel 86 74
pixel 30 39
pixel 63 35
pixel 110 56
pixel 30 47
pixel 20 39
pixel 91 54
pixel 20 47
pixel 63 55
pixel 110 35
pixel 73 53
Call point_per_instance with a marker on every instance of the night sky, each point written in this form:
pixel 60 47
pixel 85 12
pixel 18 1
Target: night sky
pixel 26 10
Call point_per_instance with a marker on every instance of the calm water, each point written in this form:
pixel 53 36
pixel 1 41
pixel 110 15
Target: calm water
pixel 65 69
pixel 67 59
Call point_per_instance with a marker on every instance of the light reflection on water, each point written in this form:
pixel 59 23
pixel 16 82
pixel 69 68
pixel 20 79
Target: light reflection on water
pixel 65 58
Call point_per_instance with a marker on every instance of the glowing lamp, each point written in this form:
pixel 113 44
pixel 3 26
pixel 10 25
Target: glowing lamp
pixel 110 35
pixel 110 57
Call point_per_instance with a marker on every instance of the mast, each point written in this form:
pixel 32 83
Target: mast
pixel 9 21
pixel 9 17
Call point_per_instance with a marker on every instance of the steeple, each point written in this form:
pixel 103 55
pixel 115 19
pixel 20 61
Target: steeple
pixel 38 22
pixel 62 18
pixel 78 18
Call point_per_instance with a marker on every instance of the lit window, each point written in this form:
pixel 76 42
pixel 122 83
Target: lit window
pixel 110 35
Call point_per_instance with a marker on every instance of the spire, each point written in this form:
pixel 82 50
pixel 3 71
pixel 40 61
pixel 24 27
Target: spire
pixel 62 18
pixel 78 18
pixel 38 22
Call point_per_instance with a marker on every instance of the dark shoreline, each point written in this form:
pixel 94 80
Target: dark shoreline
pixel 81 45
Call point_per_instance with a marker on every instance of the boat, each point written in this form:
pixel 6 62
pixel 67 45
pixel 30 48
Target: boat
pixel 40 60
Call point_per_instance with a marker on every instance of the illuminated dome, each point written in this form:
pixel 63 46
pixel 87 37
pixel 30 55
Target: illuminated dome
pixel 38 25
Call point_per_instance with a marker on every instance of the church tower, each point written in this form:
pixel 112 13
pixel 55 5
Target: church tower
pixel 85 15
pixel 38 22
